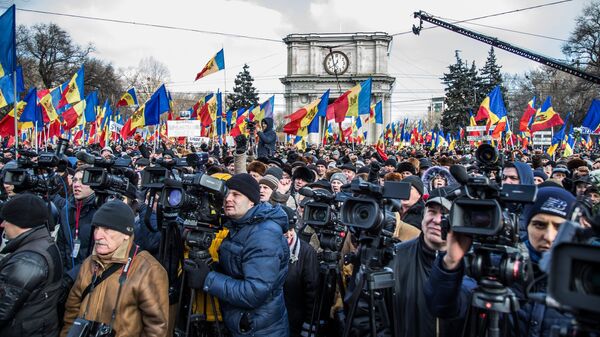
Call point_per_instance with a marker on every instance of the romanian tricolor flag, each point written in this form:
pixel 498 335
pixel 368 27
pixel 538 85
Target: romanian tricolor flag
pixel 8 45
pixel 301 119
pixel 354 102
pixel 546 117
pixel 493 108
pixel 527 116
pixel 214 64
pixel 73 93
pixel 129 98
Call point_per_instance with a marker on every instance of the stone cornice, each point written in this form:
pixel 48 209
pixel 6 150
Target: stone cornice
pixel 338 37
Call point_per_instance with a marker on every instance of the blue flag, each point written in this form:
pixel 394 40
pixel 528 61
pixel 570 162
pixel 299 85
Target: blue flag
pixel 8 45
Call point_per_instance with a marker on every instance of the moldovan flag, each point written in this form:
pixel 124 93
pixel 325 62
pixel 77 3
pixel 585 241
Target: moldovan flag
pixel 7 124
pixel 546 117
pixel 527 115
pixel 354 102
pixel 208 112
pixel 264 110
pixel 128 99
pixel 493 108
pixel 135 121
pixel 74 116
pixel 570 144
pixel 73 93
pixel 301 119
pixel 240 124
pixel 8 50
pixel 214 64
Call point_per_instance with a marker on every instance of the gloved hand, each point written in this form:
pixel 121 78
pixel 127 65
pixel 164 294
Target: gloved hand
pixel 196 272
pixel 241 144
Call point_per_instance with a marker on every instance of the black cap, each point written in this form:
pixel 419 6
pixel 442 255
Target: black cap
pixel 245 184
pixel 414 182
pixel 115 215
pixel 25 210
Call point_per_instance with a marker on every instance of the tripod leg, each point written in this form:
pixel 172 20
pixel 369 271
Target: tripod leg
pixel 354 303
pixel 317 308
pixel 214 309
pixel 189 314
pixel 372 320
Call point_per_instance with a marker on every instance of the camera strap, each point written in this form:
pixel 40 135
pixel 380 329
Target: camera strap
pixel 122 279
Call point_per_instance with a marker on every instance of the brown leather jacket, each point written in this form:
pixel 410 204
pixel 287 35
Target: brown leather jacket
pixel 143 308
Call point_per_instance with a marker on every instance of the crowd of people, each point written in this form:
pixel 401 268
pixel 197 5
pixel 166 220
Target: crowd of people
pixel 69 263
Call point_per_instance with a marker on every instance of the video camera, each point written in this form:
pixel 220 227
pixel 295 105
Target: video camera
pixel 250 126
pixel 321 213
pixel 109 178
pixel 36 172
pixel 86 328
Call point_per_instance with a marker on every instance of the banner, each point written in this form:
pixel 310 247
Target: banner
pixel 184 128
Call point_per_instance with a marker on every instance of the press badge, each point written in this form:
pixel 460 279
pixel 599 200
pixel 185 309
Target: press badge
pixel 76 246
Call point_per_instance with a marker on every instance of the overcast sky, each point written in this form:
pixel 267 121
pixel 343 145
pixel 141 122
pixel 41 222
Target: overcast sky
pixel 417 62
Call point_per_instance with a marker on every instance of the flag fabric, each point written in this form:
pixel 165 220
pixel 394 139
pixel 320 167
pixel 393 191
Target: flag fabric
pixel 379 113
pixel 48 112
pixel 7 124
pixel 527 116
pixel 157 104
pixel 30 112
pixel 8 45
pixel 240 124
pixel 570 144
pixel 591 121
pixel 208 112
pixel 557 139
pixel 301 119
pixel 264 110
pixel 546 117
pixel 494 110
pixel 73 92
pixel 354 102
pixel 91 106
pixel 198 105
pixel 75 116
pixel 214 64
pixel 129 98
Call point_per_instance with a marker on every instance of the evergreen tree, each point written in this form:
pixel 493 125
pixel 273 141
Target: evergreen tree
pixel 462 94
pixel 244 93
pixel 490 73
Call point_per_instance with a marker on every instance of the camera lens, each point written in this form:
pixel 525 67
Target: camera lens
pixel 319 214
pixel 174 198
pixel 587 277
pixel 363 212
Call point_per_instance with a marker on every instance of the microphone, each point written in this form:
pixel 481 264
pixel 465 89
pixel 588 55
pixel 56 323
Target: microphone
pixel 459 173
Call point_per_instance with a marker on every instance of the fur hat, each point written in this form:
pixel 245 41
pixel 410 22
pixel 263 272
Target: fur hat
pixel 257 166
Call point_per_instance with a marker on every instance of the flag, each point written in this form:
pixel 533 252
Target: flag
pixel 91 106
pixel 546 117
pixel 240 124
pixel 354 102
pixel 74 116
pixel 570 144
pixel 73 92
pixel 264 110
pixel 527 115
pixel 30 112
pixel 380 147
pixel 214 64
pixel 300 119
pixel 7 124
pixel 8 45
pixel 156 105
pixel 128 99
pixel 494 110
pixel 208 112
pixel 591 122
pixel 198 105
pixel 557 139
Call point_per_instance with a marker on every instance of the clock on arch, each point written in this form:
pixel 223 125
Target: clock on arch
pixel 336 62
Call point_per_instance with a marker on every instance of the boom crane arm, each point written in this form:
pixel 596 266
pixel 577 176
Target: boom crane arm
pixel 504 46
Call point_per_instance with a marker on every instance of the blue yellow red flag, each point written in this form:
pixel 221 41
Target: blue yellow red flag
pixel 546 117
pixel 8 45
pixel 129 98
pixel 214 64
pixel 73 92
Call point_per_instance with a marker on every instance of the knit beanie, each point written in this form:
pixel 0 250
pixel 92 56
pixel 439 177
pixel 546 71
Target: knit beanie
pixel 245 184
pixel 339 176
pixel 275 172
pixel 116 215
pixel 25 211
pixel 540 174
pixel 553 201
pixel 415 182
pixel 270 181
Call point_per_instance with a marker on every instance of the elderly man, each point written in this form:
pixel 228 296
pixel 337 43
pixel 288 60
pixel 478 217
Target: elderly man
pixel 253 263
pixel 119 285
pixel 30 273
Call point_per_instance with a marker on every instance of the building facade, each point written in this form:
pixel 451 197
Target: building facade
pixel 317 62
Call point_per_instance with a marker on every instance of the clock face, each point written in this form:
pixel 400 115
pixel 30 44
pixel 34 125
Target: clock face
pixel 336 63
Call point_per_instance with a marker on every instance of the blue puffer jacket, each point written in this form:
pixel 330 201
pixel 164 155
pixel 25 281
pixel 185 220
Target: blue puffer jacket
pixel 448 295
pixel 253 264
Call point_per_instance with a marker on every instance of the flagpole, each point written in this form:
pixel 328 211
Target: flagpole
pixel 15 115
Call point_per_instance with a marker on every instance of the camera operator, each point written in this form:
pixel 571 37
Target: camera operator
pixel 31 272
pixel 412 266
pixel 253 263
pixel 119 285
pixel 74 237
pixel 448 298
pixel 267 139
pixel 412 208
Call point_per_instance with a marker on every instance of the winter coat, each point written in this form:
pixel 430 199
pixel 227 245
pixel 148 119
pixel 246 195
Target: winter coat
pixel 434 171
pixel 267 140
pixel 301 285
pixel 66 234
pixel 448 294
pixel 30 280
pixel 143 306
pixel 414 215
pixel 253 264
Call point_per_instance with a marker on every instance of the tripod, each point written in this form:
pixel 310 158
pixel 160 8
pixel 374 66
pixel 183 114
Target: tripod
pixel 377 282
pixel 493 299
pixel 190 323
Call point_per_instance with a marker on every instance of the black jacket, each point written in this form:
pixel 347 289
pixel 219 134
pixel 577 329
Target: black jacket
pixel 412 266
pixel 267 140
pixel 301 285
pixel 66 234
pixel 30 278
pixel 414 215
